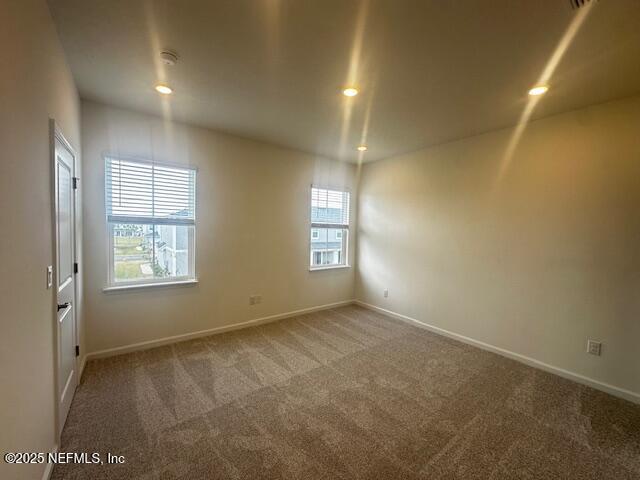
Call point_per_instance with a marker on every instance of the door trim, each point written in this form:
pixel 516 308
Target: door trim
pixel 55 133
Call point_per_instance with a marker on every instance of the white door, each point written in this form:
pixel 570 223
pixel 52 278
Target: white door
pixel 64 277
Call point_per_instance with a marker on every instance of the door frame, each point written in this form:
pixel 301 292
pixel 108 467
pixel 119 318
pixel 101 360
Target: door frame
pixel 55 133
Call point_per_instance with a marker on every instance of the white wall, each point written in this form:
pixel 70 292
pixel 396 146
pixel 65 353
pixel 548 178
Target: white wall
pixel 252 234
pixel 536 262
pixel 35 85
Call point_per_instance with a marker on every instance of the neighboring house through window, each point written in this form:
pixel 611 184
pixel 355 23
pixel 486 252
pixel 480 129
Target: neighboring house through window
pixel 329 227
pixel 151 220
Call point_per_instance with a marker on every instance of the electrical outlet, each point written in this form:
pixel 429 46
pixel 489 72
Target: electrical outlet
pixel 386 292
pixel 593 347
pixel 255 299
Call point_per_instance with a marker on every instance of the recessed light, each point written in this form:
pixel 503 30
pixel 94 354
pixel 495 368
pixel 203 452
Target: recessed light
pixel 164 89
pixel 539 90
pixel 350 92
pixel 362 148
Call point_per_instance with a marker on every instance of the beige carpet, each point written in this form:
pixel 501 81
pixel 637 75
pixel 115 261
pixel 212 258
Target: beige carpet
pixel 343 394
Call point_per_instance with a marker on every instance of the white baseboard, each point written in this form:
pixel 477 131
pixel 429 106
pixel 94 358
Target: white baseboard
pixel 605 387
pixel 48 469
pixel 109 352
pixel 83 363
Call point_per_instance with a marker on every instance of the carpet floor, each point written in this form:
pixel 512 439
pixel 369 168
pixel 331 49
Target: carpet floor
pixel 342 394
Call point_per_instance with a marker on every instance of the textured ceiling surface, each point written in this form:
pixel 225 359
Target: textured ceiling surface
pixel 429 71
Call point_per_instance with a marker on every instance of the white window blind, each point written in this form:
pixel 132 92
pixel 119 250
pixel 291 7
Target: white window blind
pixel 329 208
pixel 139 191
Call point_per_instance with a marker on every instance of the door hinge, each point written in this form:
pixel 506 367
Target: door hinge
pixel 77 350
pixel 75 183
pixel 75 267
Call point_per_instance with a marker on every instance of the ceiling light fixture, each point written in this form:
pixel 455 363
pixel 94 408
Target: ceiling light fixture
pixel 539 90
pixel 164 89
pixel 362 148
pixel 350 92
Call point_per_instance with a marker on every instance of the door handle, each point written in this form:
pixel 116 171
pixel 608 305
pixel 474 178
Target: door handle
pixel 62 306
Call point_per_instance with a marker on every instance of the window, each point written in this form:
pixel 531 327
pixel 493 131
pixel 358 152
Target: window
pixel 151 221
pixel 329 228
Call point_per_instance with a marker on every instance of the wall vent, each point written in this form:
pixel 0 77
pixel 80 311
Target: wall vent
pixel 576 4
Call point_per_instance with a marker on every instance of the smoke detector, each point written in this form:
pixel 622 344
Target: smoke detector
pixel 576 4
pixel 168 57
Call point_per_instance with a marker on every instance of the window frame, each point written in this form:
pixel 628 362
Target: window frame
pixel 191 277
pixel 345 230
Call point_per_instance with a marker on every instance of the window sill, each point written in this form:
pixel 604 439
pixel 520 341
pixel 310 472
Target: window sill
pixel 328 267
pixel 144 286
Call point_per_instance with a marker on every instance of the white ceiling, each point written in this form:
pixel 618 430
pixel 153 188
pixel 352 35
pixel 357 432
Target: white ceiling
pixel 429 71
